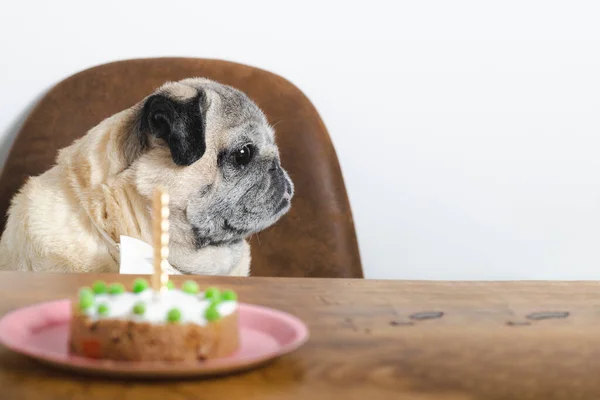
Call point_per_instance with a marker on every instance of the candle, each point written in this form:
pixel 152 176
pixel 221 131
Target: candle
pixel 160 239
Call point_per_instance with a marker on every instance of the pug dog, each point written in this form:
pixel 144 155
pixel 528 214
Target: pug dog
pixel 206 143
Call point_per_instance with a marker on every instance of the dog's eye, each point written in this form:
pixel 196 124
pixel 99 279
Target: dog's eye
pixel 243 155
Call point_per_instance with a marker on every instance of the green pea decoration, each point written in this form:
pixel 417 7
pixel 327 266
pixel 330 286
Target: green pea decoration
pixel 229 295
pixel 212 294
pixel 190 287
pixel 86 298
pixel 212 313
pixel 99 287
pixel 116 288
pixel 139 308
pixel 174 315
pixel 139 285
pixel 103 309
pixel 170 285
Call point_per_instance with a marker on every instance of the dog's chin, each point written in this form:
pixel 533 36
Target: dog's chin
pixel 283 207
pixel 269 220
pixel 277 210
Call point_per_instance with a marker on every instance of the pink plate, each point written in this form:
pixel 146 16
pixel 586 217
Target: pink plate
pixel 41 332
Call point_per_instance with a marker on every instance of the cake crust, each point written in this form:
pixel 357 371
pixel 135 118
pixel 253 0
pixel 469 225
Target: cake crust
pixel 123 340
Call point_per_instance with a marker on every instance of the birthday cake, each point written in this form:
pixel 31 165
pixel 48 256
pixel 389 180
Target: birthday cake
pixel 176 324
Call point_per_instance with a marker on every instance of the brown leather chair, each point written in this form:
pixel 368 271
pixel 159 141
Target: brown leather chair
pixel 315 239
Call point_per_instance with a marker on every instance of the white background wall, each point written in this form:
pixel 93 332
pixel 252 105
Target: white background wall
pixel 468 131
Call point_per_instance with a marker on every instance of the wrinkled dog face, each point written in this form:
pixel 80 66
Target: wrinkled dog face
pixel 215 151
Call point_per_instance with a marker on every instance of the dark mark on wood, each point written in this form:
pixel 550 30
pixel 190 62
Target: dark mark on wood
pixel 427 315
pixel 401 323
pixel 548 315
pixel 518 323
pixel 348 323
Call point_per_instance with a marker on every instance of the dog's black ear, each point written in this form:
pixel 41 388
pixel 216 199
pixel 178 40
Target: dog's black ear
pixel 181 124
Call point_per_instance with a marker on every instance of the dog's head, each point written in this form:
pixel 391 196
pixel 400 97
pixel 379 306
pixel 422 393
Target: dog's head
pixel 214 151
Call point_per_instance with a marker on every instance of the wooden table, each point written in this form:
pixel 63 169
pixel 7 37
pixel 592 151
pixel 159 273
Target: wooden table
pixel 369 340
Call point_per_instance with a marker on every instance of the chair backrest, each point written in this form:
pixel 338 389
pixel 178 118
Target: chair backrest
pixel 315 239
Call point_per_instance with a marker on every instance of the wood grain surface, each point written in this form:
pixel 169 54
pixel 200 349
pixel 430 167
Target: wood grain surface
pixel 369 340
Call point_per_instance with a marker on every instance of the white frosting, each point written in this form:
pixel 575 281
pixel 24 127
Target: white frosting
pixel 191 306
